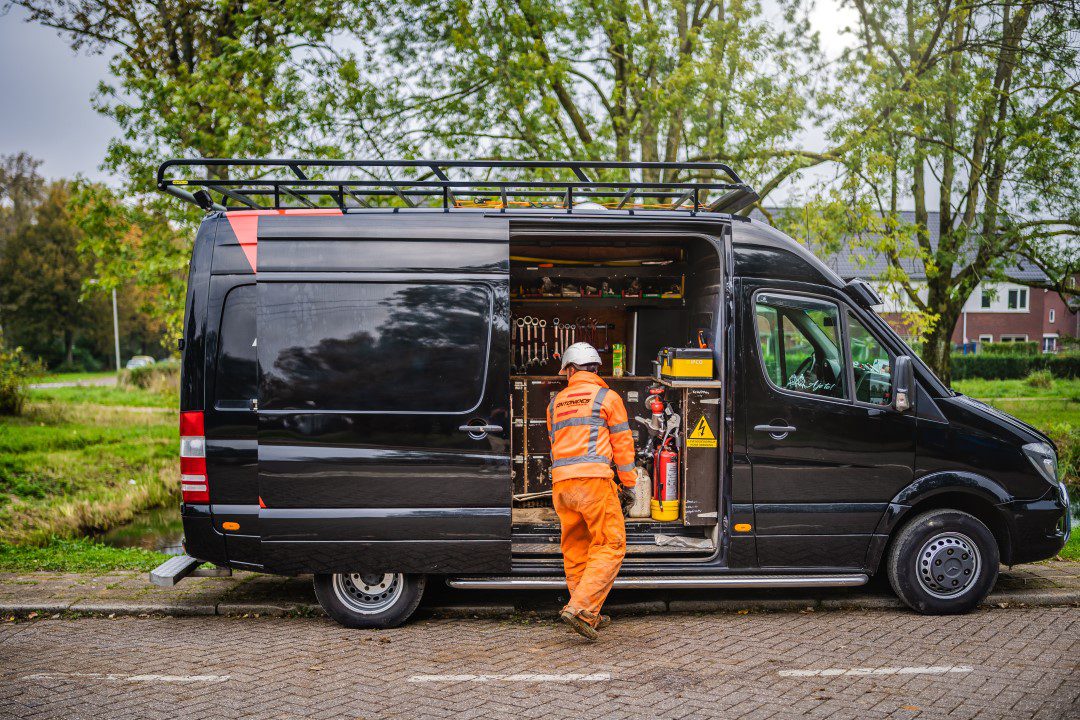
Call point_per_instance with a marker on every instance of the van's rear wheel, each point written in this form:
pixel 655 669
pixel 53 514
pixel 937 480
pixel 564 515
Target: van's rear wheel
pixel 943 562
pixel 369 600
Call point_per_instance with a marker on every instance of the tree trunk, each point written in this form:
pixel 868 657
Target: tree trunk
pixel 69 347
pixel 937 347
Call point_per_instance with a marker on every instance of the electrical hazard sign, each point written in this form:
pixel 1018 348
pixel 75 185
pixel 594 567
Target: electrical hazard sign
pixel 701 436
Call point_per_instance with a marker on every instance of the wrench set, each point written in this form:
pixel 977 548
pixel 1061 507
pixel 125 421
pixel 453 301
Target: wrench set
pixel 529 339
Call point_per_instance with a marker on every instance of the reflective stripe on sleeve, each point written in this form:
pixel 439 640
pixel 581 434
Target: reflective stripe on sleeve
pixel 626 468
pixel 618 427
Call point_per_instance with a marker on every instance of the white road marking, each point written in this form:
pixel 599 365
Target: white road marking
pixel 916 670
pixel 127 678
pixel 518 677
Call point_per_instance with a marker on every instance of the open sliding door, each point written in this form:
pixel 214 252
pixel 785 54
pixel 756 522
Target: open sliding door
pixel 383 405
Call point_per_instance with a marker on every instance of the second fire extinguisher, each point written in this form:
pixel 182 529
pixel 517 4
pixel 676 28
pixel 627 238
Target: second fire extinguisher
pixel 665 501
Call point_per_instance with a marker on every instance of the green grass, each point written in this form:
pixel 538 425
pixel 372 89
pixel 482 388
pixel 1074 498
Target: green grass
pixel 104 395
pixel 75 376
pixel 1071 551
pixel 70 469
pixel 986 389
pixel 78 555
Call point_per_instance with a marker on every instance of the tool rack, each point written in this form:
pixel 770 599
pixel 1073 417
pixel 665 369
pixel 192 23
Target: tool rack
pixel 276 184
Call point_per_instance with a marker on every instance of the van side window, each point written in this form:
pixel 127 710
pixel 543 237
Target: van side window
pixel 236 379
pixel 872 363
pixel 373 347
pixel 799 341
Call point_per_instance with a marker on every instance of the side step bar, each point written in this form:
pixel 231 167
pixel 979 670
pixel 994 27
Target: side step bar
pixel 177 568
pixel 660 582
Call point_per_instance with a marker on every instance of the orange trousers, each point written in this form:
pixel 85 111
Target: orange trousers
pixel 593 540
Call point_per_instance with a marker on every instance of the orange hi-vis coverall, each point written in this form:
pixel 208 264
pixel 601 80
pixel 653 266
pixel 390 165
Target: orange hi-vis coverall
pixel 589 430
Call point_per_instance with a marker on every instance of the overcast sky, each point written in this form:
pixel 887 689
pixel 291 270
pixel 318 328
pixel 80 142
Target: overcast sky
pixel 47 89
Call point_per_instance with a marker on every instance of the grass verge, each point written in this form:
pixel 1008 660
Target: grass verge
pixel 104 395
pixel 76 555
pixel 75 376
pixel 67 470
pixel 1071 551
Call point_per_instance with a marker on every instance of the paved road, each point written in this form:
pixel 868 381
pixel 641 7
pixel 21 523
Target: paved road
pixel 1012 663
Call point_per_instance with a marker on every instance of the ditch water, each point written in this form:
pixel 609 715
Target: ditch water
pixel 161 530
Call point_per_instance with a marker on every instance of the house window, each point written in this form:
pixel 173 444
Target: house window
pixel 1053 315
pixel 987 298
pixel 1049 343
pixel 1014 338
pixel 1018 299
pixel 986 338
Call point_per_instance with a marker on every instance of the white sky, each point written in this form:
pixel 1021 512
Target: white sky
pixel 47 89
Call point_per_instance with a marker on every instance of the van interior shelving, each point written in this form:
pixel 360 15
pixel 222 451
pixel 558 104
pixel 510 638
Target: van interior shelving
pixel 611 293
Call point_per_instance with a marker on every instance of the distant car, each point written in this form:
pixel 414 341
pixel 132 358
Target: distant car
pixel 139 361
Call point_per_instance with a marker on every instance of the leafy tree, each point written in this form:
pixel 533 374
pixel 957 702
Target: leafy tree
pixel 983 100
pixel 21 189
pixel 227 78
pixel 43 276
pixel 585 79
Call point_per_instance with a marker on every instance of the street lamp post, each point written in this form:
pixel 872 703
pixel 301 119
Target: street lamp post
pixel 116 331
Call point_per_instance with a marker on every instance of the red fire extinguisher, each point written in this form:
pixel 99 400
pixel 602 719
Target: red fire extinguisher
pixel 665 502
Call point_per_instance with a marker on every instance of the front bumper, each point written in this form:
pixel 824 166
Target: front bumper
pixel 1038 528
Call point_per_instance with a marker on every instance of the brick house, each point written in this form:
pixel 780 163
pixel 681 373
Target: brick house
pixel 995 312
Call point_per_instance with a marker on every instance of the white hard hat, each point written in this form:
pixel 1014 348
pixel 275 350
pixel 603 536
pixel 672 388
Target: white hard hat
pixel 581 353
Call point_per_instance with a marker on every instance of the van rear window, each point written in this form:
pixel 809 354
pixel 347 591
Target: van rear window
pixel 373 347
pixel 237 373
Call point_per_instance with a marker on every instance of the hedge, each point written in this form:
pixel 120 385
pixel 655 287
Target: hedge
pixel 1010 348
pixel 1014 367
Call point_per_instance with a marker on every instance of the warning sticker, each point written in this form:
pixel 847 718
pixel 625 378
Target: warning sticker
pixel 702 435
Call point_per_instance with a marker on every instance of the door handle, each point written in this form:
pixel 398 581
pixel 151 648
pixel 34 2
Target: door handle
pixel 775 429
pixel 480 429
pixel 776 432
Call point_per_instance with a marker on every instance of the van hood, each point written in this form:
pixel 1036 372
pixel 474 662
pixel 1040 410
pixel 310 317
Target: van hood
pixel 1025 433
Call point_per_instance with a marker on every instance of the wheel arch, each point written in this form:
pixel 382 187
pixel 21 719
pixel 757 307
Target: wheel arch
pixel 974 494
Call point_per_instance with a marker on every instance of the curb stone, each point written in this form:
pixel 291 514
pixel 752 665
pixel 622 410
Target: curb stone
pixel 1030 598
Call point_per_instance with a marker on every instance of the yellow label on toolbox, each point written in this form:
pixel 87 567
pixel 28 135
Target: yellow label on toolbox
pixel 702 435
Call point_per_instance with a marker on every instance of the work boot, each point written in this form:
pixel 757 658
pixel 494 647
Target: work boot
pixel 579 624
pixel 604 621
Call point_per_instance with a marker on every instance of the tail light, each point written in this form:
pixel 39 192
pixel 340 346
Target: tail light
pixel 193 485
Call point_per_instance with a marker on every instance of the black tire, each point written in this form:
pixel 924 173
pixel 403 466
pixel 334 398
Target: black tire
pixel 369 600
pixel 943 562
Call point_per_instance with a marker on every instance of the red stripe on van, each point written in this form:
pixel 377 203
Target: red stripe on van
pixel 245 224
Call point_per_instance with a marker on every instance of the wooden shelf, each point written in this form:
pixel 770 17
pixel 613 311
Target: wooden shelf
pixel 602 301
pixel 598 272
pixel 688 383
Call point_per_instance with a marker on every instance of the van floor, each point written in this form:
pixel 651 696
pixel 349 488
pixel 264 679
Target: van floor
pixel 536 532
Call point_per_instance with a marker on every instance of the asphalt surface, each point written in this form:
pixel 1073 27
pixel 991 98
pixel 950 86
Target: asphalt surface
pixel 993 663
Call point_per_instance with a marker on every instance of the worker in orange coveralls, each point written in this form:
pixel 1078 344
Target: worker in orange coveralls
pixel 589 430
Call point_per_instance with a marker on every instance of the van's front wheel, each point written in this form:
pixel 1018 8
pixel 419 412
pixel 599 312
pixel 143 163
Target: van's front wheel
pixel 369 600
pixel 943 562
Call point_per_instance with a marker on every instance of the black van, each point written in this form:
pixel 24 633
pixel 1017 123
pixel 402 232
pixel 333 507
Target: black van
pixel 369 348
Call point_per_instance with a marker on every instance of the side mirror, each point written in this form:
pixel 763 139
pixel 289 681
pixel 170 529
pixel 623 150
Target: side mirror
pixel 903 383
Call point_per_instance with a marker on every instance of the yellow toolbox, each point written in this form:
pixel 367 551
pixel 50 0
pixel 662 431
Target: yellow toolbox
pixel 686 363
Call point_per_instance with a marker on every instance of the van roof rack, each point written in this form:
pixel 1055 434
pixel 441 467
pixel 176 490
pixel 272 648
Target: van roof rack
pixel 274 184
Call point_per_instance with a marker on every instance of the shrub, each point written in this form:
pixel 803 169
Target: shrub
pixel 162 378
pixel 16 372
pixel 1040 379
pixel 1067 439
pixel 1010 348
pixel 1014 367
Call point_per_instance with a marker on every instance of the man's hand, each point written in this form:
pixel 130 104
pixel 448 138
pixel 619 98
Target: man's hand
pixel 626 499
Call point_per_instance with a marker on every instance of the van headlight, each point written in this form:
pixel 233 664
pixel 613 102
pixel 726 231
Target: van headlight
pixel 1043 457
